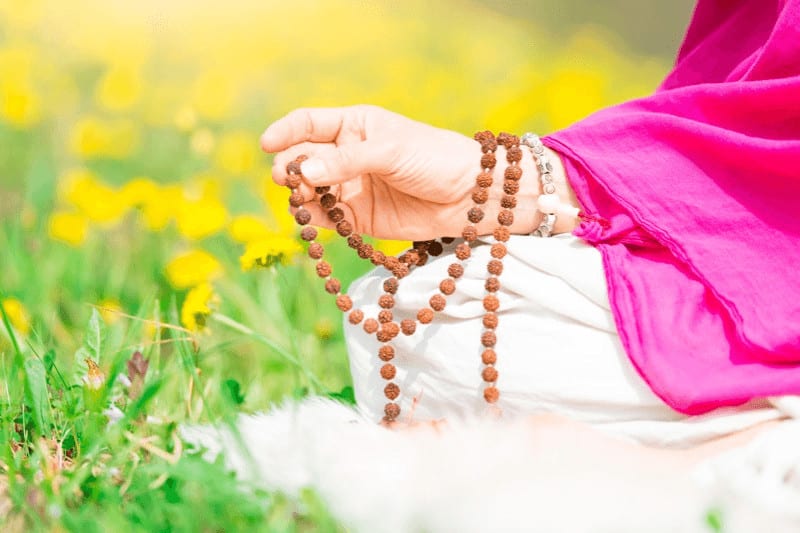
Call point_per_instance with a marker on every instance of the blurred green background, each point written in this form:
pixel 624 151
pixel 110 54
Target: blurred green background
pixel 131 183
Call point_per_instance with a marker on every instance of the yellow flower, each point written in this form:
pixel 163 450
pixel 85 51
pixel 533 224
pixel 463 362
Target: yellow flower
pixel 277 200
pixel 138 191
pixel 99 202
pixel 213 95
pixel 197 307
pixel 119 88
pixel 17 315
pixel 200 218
pixel 268 252
pixel 248 228
pixel 324 329
pixel 68 227
pixel 110 310
pixel 192 268
pixel 160 208
pixel 392 247
pixel 95 137
pixel 237 152
pixel 20 104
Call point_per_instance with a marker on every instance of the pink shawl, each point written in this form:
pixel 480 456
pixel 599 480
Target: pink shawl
pixel 696 192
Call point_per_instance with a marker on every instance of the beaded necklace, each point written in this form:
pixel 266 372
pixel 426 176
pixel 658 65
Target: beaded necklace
pixel 385 326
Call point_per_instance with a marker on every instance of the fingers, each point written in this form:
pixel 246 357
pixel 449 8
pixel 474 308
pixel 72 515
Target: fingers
pixel 279 174
pixel 347 161
pixel 322 125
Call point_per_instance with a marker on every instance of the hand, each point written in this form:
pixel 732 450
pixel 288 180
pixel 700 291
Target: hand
pixel 399 179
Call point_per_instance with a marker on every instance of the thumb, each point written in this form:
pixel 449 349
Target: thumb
pixel 344 163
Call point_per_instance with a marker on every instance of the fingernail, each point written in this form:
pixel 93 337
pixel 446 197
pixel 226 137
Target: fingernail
pixel 313 169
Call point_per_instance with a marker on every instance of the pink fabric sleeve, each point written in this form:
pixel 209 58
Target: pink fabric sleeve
pixel 700 185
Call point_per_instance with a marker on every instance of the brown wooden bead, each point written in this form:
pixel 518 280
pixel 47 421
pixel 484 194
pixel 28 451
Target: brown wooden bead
pixel 508 201
pixel 378 258
pixel 490 302
pixel 489 374
pixel 484 180
pixel 391 411
pixel 481 136
pixel 447 286
pixel 491 394
pixel 498 250
pixel 392 328
pixel 322 189
pixel 333 286
pixel 293 181
pixel 463 251
pixel 386 301
pixel 411 257
pixel 293 167
pixel 388 371
pixel 364 251
pixel 344 303
pixel 355 316
pixel 344 228
pixel 384 335
pixel 420 245
pixel 488 160
pixel 386 352
pixel 324 269
pixel 488 145
pixel 510 187
pixel 315 250
pixel 490 320
pixel 512 172
pixel 495 267
pixel 506 217
pixel 504 139
pixel 514 154
pixel 401 271
pixel 423 258
pixel 469 233
pixel 435 248
pixel 308 233
pixel 391 391
pixel 354 241
pixel 502 233
pixel 455 270
pixel 336 214
pixel 492 284
pixel 371 325
pixel 385 316
pixel 489 357
pixel 475 215
pixel 296 199
pixel 302 216
pixel 489 338
pixel 327 201
pixel 479 196
pixel 448 240
pixel 408 326
pixel 437 302
pixel 390 285
pixel 425 316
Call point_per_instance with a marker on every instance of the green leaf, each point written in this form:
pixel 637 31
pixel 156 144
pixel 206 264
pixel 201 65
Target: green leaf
pixel 36 393
pixel 233 391
pixel 95 334
pixel 346 395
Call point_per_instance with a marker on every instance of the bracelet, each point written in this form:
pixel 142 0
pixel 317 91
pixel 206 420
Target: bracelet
pixel 548 202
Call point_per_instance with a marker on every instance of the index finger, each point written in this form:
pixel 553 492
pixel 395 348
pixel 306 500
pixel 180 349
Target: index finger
pixel 318 124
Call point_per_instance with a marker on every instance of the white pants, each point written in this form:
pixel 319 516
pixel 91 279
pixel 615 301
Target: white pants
pixel 557 350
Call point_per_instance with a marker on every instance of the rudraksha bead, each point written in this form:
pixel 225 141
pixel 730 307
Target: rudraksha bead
pixel 322 189
pixel 364 251
pixel 293 167
pixel 386 352
pixel 378 258
pixel 447 286
pixel 408 326
pixel 501 233
pixel 371 325
pixel 514 154
pixel 383 335
pixel 344 228
pixel 463 251
pixel 510 187
pixel 327 201
pixel 315 250
pixel 333 286
pixel 302 216
pixel 504 139
pixel 423 258
pixel 336 214
pixel 489 338
pixel 469 233
pixel 293 181
pixel 490 320
pixel 488 145
pixel 356 316
pixel 491 394
pixel 391 391
pixel 490 302
pixel 455 270
pixel 390 285
pixel 344 303
pixel 512 172
pixel 481 136
pixel 425 316
pixel 437 302
pixel 495 267
pixel 401 271
pixel 296 199
pixel 492 284
pixel 391 263
pixel 435 248
pixel 391 411
pixel 448 240
pixel 479 196
pixel 498 250
pixel 484 180
pixel 508 201
pixel 386 301
pixel 488 160
pixel 388 371
pixel 489 374
pixel 489 357
pixel 308 233
pixel 506 217
pixel 411 257
pixel 385 316
pixel 323 269
pixel 474 215
pixel 354 241
pixel 393 328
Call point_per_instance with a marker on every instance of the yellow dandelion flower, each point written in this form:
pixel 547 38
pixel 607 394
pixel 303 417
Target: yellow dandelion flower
pixel 269 252
pixel 119 88
pixel 248 228
pixel 95 137
pixel 392 247
pixel 192 268
pixel 17 315
pixel 110 310
pixel 139 191
pixel 20 104
pixel 99 202
pixel 160 208
pixel 68 227
pixel 277 200
pixel 200 218
pixel 197 307
pixel 237 152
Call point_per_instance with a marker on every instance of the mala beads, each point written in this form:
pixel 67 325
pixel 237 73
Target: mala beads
pixel 384 326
